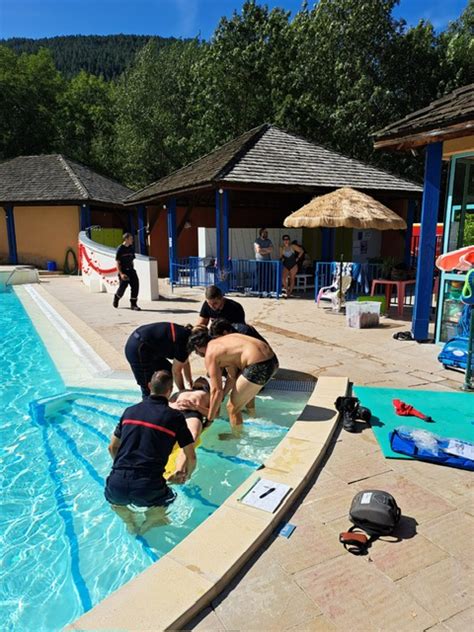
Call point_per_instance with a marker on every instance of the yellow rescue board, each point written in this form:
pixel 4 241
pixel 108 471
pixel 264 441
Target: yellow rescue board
pixel 171 465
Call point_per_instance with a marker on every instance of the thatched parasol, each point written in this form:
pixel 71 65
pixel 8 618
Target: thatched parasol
pixel 345 208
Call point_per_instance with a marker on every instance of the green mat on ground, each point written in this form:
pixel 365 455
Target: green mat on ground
pixel 452 413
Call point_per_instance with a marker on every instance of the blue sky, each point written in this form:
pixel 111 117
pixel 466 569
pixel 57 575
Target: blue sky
pixel 178 18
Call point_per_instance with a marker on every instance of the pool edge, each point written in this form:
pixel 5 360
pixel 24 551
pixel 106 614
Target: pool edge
pixel 176 588
pixel 92 361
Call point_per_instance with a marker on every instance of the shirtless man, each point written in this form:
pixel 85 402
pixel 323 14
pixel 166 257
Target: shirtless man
pixel 222 327
pixel 250 364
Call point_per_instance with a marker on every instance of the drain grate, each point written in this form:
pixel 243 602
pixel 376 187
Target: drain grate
pixel 301 386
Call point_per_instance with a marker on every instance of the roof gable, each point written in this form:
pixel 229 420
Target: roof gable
pixel 454 109
pixel 54 178
pixel 267 155
pixel 210 168
pixel 286 159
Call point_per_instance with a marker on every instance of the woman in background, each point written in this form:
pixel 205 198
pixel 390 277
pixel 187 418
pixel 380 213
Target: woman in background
pixel 290 255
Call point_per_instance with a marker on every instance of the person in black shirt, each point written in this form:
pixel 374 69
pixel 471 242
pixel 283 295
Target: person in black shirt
pixel 140 447
pixel 150 347
pixel 217 306
pixel 127 275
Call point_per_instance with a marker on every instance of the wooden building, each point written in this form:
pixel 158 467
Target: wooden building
pixel 257 180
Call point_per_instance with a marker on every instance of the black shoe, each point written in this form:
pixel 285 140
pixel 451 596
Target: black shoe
pixel 135 308
pixel 348 422
pixel 363 413
pixel 351 410
pixel 116 301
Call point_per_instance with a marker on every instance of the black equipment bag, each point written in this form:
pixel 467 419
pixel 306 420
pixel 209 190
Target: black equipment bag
pixel 373 511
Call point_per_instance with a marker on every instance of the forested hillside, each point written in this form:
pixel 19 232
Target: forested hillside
pixel 106 55
pixel 334 74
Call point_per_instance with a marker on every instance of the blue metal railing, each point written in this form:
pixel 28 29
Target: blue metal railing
pixel 254 278
pixel 264 278
pixel 193 271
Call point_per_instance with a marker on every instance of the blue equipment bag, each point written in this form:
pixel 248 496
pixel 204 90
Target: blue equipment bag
pixel 427 446
pixel 455 353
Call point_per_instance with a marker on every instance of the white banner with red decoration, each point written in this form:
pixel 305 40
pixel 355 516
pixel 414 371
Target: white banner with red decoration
pixel 99 269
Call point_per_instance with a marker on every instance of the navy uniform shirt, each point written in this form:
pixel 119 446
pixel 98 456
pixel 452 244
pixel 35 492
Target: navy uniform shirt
pixel 125 255
pixel 148 432
pixel 231 311
pixel 166 339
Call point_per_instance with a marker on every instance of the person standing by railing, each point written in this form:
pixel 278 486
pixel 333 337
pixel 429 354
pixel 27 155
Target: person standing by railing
pixel 126 272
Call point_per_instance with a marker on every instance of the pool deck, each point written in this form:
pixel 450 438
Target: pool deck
pixel 309 582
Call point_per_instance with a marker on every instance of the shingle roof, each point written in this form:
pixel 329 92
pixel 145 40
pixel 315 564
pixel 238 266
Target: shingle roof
pixel 54 178
pixel 453 109
pixel 270 156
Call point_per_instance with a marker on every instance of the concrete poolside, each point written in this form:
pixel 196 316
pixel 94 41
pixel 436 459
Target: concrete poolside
pixel 309 582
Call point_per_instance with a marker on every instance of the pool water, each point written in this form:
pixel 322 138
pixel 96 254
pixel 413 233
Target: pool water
pixel 64 550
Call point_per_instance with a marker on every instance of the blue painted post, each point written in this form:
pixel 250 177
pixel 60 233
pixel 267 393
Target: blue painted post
pixel 11 234
pixel 131 222
pixel 225 230
pixel 409 231
pixel 426 251
pixel 219 230
pixel 279 275
pixel 142 229
pixel 172 239
pixel 85 216
pixel 327 244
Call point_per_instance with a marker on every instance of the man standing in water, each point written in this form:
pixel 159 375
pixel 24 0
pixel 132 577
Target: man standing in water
pixel 140 447
pixel 250 364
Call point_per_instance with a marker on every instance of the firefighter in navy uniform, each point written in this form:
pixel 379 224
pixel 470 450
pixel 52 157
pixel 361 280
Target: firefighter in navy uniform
pixel 151 347
pixel 126 272
pixel 140 447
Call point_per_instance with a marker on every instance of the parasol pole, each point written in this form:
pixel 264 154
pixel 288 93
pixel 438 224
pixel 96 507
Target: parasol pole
pixel 340 282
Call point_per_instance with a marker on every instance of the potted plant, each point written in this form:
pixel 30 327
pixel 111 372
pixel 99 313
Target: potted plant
pixel 387 265
pixel 399 272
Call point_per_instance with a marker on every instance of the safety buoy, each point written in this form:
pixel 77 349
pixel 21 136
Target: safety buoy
pixel 66 267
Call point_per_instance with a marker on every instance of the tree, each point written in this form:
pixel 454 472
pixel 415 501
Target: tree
pixel 153 116
pixel 86 121
pixel 236 78
pixel 458 48
pixel 30 88
pixel 356 69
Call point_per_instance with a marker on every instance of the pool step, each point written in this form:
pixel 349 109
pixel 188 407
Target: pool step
pixel 47 407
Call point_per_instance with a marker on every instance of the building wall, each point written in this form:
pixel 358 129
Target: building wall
pixel 111 218
pixel 43 233
pixel 458 146
pixel 392 242
pixel 3 237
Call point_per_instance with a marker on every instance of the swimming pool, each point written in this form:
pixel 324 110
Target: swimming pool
pixel 64 549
